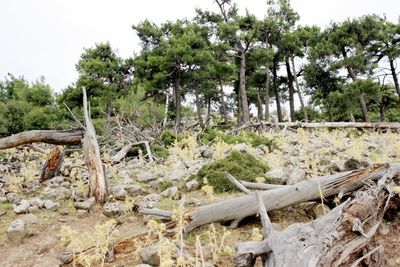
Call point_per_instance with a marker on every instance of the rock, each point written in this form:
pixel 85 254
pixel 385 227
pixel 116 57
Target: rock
pixel 3 200
pixel 126 174
pixel 366 163
pixel 205 151
pixel 13 198
pixel 276 227
pixel 146 176
pixel 143 265
pixel 57 193
pixel 3 212
pixel 178 171
pixel 277 176
pixel 295 175
pixel 36 202
pixel 121 191
pixel 111 209
pixel 50 205
pixel 192 185
pixel 152 197
pixel 56 180
pixel 242 147
pixel 66 257
pixel 171 192
pixel 196 202
pixel 150 201
pixel 86 204
pixel 384 229
pixel 320 210
pixel 332 168
pixel 22 207
pixel 351 164
pixel 30 219
pixel 33 209
pixel 17 231
pixel 149 255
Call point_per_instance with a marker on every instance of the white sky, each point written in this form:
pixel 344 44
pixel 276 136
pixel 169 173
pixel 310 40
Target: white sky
pixel 46 37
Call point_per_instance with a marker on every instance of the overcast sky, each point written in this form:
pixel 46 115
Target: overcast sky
pixel 46 37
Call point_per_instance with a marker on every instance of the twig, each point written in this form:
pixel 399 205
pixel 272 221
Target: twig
pixel 266 222
pixel 355 264
pixel 237 183
pixel 70 111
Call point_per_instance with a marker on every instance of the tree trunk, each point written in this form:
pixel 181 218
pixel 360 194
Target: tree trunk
pixel 177 100
pixel 53 164
pixel 259 106
pixel 223 104
pixel 242 88
pixel 208 110
pixel 165 120
pixel 198 105
pixel 299 91
pixel 98 184
pixel 56 137
pixel 394 75
pixel 277 98
pixel 312 189
pixel 291 90
pixel 267 81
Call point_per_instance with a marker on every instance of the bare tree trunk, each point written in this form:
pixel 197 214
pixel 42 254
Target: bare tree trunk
pixel 98 185
pixel 177 101
pixel 208 110
pixel 56 137
pixel 242 88
pixel 259 106
pixel 223 104
pixel 198 105
pixel 291 90
pixel 299 91
pixel 166 111
pixel 277 98
pixel 267 81
pixel 53 163
pixel 394 75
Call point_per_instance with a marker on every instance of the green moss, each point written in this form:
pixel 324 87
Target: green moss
pixel 168 137
pixel 242 166
pixel 159 151
pixel 5 206
pixel 165 185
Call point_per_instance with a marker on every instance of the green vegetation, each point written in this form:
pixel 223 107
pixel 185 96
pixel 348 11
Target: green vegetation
pixel 242 166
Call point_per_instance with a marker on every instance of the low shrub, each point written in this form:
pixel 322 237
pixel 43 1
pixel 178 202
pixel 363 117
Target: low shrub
pixel 242 166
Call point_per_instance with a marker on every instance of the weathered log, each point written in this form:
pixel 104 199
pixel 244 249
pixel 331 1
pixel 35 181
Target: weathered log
pixel 157 212
pixel 124 151
pixel 97 179
pixel 337 239
pixel 53 163
pixel 260 186
pixel 57 137
pixel 237 183
pixel 244 206
pixel 35 148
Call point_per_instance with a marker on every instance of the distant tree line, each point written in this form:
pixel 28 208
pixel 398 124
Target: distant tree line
pixel 226 62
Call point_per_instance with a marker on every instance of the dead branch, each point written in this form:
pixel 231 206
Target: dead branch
pixel 237 183
pixel 56 137
pixel 35 148
pixel 53 164
pixel 124 151
pixel 261 186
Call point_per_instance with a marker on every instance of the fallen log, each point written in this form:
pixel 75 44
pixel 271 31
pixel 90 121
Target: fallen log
pixel 56 137
pixel 53 163
pixel 312 189
pixel 90 146
pixel 124 151
pixel 260 186
pixel 340 238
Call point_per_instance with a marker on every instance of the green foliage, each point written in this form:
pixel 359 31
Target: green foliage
pixel 313 114
pixel 168 137
pixel 159 151
pixel 242 166
pixel 39 118
pixel 165 185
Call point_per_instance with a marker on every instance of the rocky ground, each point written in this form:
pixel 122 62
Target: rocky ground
pixel 40 222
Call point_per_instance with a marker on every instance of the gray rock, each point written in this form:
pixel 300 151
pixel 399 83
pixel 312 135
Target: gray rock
pixel 178 171
pixel 13 198
pixel 30 219
pixel 277 176
pixel 3 200
pixel 121 191
pixel 86 204
pixel 58 193
pixel 113 209
pixel 149 255
pixel 17 231
pixel 152 197
pixel 276 227
pixel 126 174
pixel 50 205
pixel 66 257
pixel 205 151
pixel 57 180
pixel 65 184
pixel 171 192
pixel 143 265
pixel 22 207
pixel 146 176
pixel 295 175
pixel 192 185
pixel 36 202
pixel 196 202
pixel 242 147
pixel 33 209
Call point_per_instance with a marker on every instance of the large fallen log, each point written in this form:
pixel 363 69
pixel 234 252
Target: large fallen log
pixel 343 237
pixel 240 207
pixel 97 179
pixel 57 137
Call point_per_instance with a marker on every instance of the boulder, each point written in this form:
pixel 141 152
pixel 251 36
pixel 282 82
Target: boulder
pixel 36 202
pixel 30 218
pixel 295 175
pixel 13 198
pixel 149 255
pixel 146 176
pixel 277 176
pixel 17 231
pixel 172 192
pixel 86 204
pixel 22 207
pixel 111 209
pixel 50 205
pixel 351 164
pixel 192 185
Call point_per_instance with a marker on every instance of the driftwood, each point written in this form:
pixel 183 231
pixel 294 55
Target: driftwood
pixel 98 185
pixel 261 186
pixel 53 164
pixel 124 151
pixel 70 137
pixel 340 238
pixel 312 189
